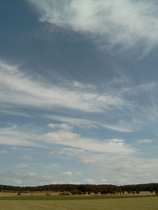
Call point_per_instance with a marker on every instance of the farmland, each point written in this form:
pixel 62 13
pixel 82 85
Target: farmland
pixel 80 197
pixel 54 202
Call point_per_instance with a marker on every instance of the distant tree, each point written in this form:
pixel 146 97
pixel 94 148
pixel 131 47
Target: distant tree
pixel 75 192
pixel 151 191
pixel 128 191
pixel 1 188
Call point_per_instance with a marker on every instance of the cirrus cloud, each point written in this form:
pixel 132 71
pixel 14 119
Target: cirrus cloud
pixel 71 139
pixel 67 173
pixel 111 24
pixel 4 152
pixel 145 141
pixel 28 92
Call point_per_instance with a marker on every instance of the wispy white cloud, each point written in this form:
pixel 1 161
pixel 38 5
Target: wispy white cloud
pixel 13 178
pixel 61 126
pixel 90 181
pixel 26 157
pixel 30 177
pixel 67 173
pixel 62 135
pixel 102 127
pixel 4 152
pixel 80 85
pixel 125 127
pixel 14 181
pixel 79 122
pixel 18 89
pixel 69 138
pixel 118 128
pixel 46 179
pixel 22 165
pixel 16 136
pixel 76 153
pixel 117 168
pixel 145 141
pixel 111 23
pixel 120 170
pixel 135 164
pixel 103 181
pixel 13 112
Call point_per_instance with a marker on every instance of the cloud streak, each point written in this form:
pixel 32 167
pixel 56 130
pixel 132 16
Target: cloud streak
pixel 16 136
pixel 111 24
pixel 71 139
pixel 4 152
pixel 117 167
pixel 19 89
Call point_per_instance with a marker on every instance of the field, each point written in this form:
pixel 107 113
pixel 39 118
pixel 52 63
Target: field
pixel 55 202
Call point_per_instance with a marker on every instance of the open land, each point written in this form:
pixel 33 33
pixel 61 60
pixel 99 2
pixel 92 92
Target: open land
pixel 94 202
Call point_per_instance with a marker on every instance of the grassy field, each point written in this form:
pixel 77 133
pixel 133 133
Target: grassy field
pixel 79 203
pixel 150 203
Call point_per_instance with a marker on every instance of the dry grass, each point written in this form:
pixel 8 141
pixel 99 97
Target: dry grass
pixel 27 194
pixel 57 193
pixel 137 203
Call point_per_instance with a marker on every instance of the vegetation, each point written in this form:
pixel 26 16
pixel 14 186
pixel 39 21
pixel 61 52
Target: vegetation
pixel 132 203
pixel 67 189
pixel 78 197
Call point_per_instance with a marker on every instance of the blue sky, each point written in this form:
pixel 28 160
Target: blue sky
pixel 78 92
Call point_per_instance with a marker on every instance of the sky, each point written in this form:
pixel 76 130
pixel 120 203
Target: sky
pixel 78 92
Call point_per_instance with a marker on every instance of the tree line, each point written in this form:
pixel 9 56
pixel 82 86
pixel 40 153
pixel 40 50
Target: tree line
pixel 84 188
